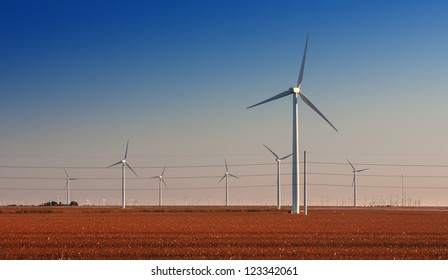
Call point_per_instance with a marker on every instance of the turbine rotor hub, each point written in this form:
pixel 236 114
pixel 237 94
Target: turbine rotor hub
pixel 295 89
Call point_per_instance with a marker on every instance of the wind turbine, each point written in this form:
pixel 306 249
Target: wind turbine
pixel 67 185
pixel 160 177
pixel 354 181
pixel 226 175
pixel 296 92
pixel 278 160
pixel 124 163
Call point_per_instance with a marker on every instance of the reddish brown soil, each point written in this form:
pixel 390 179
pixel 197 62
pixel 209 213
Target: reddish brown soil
pixel 142 233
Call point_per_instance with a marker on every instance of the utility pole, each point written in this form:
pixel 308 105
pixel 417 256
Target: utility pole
pixel 402 191
pixel 305 204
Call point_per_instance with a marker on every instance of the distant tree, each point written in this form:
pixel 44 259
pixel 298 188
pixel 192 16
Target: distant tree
pixel 73 203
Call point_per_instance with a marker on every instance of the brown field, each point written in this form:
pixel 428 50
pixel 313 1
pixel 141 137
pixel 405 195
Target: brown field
pixel 222 233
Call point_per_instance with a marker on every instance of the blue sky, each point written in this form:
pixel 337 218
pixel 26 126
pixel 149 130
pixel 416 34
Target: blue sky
pixel 79 78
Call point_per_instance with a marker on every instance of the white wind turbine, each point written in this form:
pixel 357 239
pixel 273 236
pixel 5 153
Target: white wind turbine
pixel 124 163
pixel 354 181
pixel 226 175
pixel 278 160
pixel 295 92
pixel 67 185
pixel 160 177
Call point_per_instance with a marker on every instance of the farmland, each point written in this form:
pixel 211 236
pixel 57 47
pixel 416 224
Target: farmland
pixel 222 233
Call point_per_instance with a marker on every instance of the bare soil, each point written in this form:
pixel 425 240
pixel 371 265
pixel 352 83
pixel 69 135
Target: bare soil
pixel 222 233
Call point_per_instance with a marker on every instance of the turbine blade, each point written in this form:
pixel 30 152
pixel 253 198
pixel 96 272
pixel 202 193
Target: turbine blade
pixel 286 157
pixel 280 95
pixel 233 176
pixel 308 102
pixel 353 182
pixel 114 164
pixel 154 177
pixel 222 178
pixel 66 173
pixel 127 164
pixel 227 168
pixel 302 67
pixel 126 153
pixel 361 170
pixel 354 169
pixel 275 155
pixel 163 170
pixel 66 185
pixel 163 181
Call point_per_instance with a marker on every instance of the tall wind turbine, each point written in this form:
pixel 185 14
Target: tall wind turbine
pixel 67 185
pixel 124 163
pixel 160 177
pixel 354 181
pixel 296 92
pixel 226 175
pixel 278 160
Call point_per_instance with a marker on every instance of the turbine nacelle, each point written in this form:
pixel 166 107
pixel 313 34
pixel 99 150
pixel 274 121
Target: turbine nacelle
pixel 295 89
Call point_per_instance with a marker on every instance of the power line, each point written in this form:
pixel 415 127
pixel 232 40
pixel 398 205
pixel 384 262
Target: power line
pixel 220 155
pixel 135 167
pixel 219 187
pixel 379 187
pixel 135 189
pixel 377 175
pixel 219 176
pixel 381 164
pixel 232 165
pixel 133 178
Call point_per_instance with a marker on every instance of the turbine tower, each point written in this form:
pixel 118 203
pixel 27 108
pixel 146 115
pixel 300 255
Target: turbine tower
pixel 67 185
pixel 124 163
pixel 354 181
pixel 226 175
pixel 160 177
pixel 278 160
pixel 296 92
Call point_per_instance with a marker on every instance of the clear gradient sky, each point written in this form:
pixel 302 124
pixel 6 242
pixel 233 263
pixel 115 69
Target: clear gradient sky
pixel 79 78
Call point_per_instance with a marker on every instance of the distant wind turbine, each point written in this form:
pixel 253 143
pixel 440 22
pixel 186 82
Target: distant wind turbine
pixel 354 181
pixel 160 177
pixel 226 175
pixel 124 163
pixel 295 92
pixel 278 160
pixel 67 185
